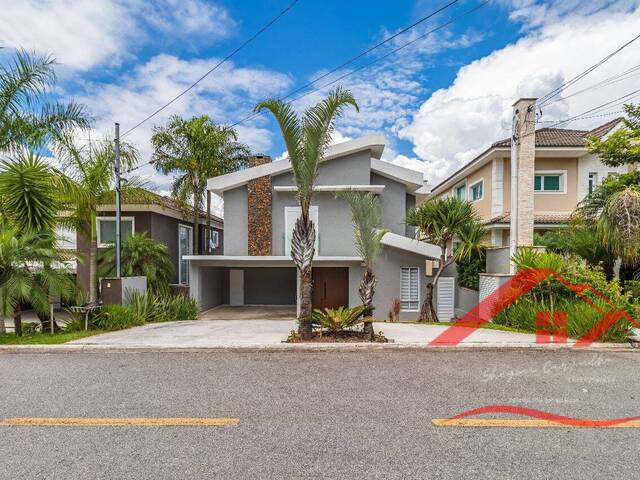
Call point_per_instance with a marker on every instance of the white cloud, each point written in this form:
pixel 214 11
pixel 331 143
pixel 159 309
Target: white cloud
pixel 458 122
pixel 226 96
pixel 81 34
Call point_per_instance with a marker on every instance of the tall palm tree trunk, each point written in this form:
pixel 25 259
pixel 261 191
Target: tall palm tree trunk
pixel 428 312
pixel 17 321
pixel 196 232
pixel 3 328
pixel 366 292
pixel 302 251
pixel 93 270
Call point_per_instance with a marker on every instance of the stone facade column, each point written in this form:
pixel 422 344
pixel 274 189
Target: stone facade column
pixel 259 204
pixel 523 152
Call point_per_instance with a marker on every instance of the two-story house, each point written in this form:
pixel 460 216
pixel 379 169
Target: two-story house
pixel 163 221
pixel 564 172
pixel 260 209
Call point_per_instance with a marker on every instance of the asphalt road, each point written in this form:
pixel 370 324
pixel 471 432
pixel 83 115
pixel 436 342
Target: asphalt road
pixel 317 415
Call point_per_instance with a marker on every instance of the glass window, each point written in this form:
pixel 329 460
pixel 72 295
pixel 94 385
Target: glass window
pixel 548 182
pixel 461 192
pixel 593 181
pixel 66 238
pixel 410 288
pixel 214 240
pixel 476 191
pixel 106 230
pixel 185 247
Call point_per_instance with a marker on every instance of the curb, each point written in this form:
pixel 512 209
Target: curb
pixel 309 347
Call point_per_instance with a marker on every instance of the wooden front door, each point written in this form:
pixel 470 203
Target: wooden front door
pixel 330 287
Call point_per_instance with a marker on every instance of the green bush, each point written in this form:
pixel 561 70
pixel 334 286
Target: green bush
pixel 469 272
pixel 117 317
pixel 550 296
pixel 163 308
pixel 338 319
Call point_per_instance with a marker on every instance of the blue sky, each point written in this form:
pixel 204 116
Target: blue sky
pixel 439 102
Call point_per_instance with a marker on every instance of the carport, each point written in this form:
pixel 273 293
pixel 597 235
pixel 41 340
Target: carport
pixel 224 284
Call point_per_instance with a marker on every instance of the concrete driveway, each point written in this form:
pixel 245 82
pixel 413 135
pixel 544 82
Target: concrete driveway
pixel 250 312
pixel 260 333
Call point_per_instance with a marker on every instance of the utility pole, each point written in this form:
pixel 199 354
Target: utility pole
pixel 118 212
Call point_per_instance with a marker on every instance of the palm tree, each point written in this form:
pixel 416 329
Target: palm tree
pixel 438 222
pixel 307 139
pixel 26 114
pixel 33 193
pixel 366 214
pixel 91 168
pixel 30 271
pixel 196 150
pixel 140 256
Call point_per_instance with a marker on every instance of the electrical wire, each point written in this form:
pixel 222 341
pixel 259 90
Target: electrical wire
pixel 215 67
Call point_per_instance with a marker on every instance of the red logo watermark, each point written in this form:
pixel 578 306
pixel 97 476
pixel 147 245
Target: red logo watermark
pixel 551 327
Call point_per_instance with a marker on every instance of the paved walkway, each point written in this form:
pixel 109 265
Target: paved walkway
pixel 250 312
pixel 271 333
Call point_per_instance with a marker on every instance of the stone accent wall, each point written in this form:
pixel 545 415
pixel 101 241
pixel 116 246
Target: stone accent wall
pixel 259 196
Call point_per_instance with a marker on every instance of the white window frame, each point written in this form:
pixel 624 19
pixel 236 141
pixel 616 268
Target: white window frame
pixel 470 191
pixel 418 290
pixel 454 191
pixel 563 182
pixel 190 228
pixel 112 219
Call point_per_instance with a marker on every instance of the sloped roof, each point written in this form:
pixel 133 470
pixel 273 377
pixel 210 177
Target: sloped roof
pixel 545 138
pixel 565 137
pixel 374 143
pixel 552 218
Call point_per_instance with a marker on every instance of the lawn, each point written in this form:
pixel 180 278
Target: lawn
pixel 45 338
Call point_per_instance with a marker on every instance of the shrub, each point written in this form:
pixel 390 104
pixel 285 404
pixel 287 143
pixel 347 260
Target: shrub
pixel 551 295
pixel 117 317
pixel 338 319
pixel 469 272
pixel 163 308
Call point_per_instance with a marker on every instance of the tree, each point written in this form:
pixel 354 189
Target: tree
pixel 614 206
pixel 307 139
pixel 27 116
pixel 91 168
pixel 140 256
pixel 438 222
pixel 31 271
pixel 470 254
pixel 33 193
pixel 196 150
pixel 621 147
pixel 366 214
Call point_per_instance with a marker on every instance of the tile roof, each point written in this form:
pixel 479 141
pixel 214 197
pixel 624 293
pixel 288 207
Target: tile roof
pixel 564 137
pixel 557 218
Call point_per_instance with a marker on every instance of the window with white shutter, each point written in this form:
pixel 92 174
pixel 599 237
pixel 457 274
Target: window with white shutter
pixel 410 288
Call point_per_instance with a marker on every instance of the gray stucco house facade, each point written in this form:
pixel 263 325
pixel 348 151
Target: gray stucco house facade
pixel 260 209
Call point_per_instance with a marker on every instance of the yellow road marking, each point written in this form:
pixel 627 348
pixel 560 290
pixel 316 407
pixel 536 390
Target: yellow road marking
pixel 118 422
pixel 518 423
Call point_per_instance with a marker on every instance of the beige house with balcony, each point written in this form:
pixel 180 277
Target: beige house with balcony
pixel 564 173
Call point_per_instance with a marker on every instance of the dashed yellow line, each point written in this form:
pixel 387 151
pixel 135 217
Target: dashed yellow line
pixel 118 422
pixel 519 423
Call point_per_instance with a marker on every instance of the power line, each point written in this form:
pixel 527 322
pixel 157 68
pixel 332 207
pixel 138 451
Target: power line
pixel 366 65
pixel 586 72
pixel 358 56
pixel 619 77
pixel 215 67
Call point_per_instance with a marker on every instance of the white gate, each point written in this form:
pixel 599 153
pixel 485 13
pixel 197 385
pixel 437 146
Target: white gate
pixel 446 298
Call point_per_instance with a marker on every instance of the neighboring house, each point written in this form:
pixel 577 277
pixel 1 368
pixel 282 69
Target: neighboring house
pixel 162 219
pixel 564 173
pixel 260 209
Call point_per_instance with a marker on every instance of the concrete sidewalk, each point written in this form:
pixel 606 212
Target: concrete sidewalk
pixel 269 335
